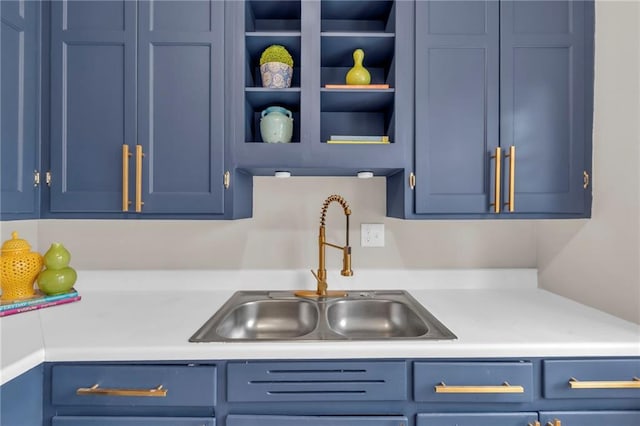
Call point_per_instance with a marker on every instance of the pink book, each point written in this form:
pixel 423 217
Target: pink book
pixel 39 306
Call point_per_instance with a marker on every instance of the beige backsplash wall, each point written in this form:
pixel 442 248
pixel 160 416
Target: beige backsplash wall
pixel 283 234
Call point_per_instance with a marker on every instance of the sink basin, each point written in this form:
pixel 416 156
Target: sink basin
pixel 269 319
pixel 359 315
pixel 374 318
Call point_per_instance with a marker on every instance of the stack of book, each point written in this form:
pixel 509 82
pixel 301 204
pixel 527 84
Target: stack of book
pixel 38 301
pixel 358 139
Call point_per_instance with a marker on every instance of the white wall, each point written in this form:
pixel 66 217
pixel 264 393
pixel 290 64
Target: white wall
pixel 597 261
pixel 593 261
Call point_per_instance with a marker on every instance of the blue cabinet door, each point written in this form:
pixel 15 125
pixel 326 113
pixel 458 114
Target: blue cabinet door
pixel 590 418
pixel 21 399
pixel 19 117
pixel 456 101
pixel 181 106
pixel 546 103
pixel 93 69
pixel 477 419
pixel 130 421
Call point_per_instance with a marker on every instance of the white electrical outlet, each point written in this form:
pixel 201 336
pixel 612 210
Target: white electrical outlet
pixel 372 234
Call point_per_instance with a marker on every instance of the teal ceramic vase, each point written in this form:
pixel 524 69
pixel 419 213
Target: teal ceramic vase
pixel 276 125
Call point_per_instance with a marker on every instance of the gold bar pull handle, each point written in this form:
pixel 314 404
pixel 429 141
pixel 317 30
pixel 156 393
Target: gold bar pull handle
pixel 634 383
pixel 139 155
pixel 555 422
pixel 497 199
pixel 503 388
pixel 510 204
pixel 125 178
pixel 158 391
pixel 536 423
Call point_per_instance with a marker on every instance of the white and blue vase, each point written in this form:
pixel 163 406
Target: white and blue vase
pixel 276 75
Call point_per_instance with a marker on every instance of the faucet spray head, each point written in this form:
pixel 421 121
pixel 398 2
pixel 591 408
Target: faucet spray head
pixel 346 262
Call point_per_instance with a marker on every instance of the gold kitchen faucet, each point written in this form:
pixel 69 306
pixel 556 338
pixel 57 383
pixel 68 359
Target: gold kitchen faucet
pixel 321 274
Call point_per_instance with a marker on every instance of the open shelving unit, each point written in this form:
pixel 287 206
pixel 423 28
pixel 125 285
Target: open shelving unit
pixel 267 23
pixel 322 37
pixel 347 26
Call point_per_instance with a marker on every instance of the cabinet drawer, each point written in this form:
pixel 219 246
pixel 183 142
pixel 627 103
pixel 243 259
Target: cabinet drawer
pixel 252 420
pixel 596 378
pixel 473 381
pixel 317 381
pixel 591 418
pixel 131 421
pixel 132 384
pixel 476 419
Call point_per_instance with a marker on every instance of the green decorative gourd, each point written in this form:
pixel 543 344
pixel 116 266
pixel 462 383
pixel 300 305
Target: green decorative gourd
pixel 358 74
pixel 57 277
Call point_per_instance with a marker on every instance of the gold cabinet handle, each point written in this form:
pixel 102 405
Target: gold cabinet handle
pixel 497 201
pixel 510 204
pixel 634 383
pixel 555 422
pixel 139 155
pixel 125 177
pixel 536 423
pixel 503 388
pixel 97 390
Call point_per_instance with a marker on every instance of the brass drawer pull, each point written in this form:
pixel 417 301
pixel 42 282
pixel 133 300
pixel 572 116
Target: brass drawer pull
pixel 605 384
pixel 503 388
pixel 97 390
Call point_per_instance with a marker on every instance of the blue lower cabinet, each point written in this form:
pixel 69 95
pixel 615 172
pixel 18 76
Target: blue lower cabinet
pixel 256 420
pixel 21 399
pixel 477 419
pixel 131 421
pixel 590 418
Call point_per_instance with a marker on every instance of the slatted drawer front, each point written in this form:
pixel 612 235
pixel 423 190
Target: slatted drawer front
pixel 601 378
pixel 131 421
pixel 477 419
pixel 317 381
pixel 473 381
pixel 119 385
pixel 246 420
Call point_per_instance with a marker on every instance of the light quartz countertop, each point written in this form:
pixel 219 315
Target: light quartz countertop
pixel 150 315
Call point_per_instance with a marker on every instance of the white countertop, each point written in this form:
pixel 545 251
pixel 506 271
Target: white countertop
pixel 150 315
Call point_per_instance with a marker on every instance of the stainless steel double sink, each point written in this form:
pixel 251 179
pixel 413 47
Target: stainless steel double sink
pixel 358 315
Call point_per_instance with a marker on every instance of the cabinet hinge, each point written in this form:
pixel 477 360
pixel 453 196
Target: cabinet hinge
pixel 36 178
pixel 585 179
pixel 47 178
pixel 227 179
pixel 412 181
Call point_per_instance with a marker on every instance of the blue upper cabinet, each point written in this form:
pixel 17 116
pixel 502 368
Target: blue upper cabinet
pixel 546 105
pixel 93 103
pixel 502 111
pixel 457 86
pixel 181 106
pixel 19 121
pixel 138 107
